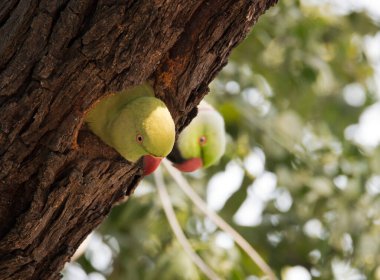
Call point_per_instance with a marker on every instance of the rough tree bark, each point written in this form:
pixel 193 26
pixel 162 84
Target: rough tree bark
pixel 57 180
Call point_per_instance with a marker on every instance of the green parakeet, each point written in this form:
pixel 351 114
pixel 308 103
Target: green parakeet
pixel 202 143
pixel 135 123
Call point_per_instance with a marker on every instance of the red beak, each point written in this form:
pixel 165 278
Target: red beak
pixel 150 164
pixel 189 165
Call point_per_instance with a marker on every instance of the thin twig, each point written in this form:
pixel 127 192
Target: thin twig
pixel 252 253
pixel 173 222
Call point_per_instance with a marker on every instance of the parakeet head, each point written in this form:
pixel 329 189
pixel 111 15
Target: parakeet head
pixel 202 143
pixel 144 127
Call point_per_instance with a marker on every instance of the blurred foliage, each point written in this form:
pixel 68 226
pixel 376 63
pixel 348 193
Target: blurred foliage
pixel 282 97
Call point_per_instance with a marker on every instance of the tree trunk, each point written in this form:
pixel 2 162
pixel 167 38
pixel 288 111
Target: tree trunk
pixel 57 180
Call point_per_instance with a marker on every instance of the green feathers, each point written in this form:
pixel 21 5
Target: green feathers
pixel 204 138
pixel 134 123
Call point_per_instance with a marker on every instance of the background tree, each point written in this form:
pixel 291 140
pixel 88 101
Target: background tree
pixel 58 181
pixel 299 97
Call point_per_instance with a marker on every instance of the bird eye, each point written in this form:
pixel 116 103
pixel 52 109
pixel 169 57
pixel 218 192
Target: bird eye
pixel 202 140
pixel 139 138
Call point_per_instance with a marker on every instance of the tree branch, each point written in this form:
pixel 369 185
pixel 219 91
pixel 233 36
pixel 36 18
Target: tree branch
pixel 252 253
pixel 173 222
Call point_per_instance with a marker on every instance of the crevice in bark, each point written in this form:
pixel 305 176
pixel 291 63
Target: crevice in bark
pixel 19 21
pixel 5 10
pixel 84 22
